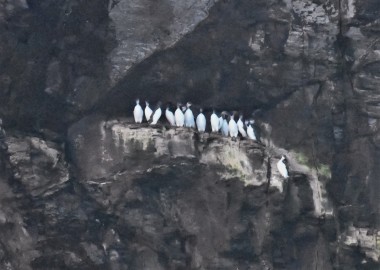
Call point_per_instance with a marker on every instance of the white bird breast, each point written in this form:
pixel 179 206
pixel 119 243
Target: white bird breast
pixel 201 122
pixel 156 116
pixel 282 169
pixel 225 128
pixel 220 122
pixel 170 117
pixel 214 123
pixel 148 113
pixel 189 118
pixel 251 133
pixel 241 128
pixel 179 117
pixel 233 129
pixel 138 113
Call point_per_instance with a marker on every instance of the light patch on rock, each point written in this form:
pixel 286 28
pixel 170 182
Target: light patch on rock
pixel 79 141
pixel 256 42
pixel 102 130
pixel 94 253
pixel 355 33
pixel 322 206
pixel 277 182
pixel 30 157
pixel 295 42
pixel 41 145
pixel 368 240
pixel 123 134
pixel 172 142
pixel 235 159
pixel 311 12
pixel 350 9
pixel 372 123
pixel 20 150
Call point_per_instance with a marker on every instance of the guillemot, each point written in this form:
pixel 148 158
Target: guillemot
pixel 232 127
pixel 214 122
pixel 179 116
pixel 148 111
pixel 157 114
pixel 169 116
pixel 224 127
pixel 250 131
pixel 281 166
pixel 201 121
pixel 240 125
pixel 138 112
pixel 189 116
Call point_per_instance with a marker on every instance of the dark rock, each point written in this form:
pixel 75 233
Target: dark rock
pixel 142 197
pixel 37 164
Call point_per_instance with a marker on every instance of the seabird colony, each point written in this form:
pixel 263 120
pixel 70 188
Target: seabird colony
pixel 184 117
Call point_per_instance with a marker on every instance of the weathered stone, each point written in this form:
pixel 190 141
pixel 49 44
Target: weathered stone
pixel 146 197
pixel 40 168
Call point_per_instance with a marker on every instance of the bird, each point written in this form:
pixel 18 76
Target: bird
pixel 214 122
pixel 189 116
pixel 224 127
pixel 138 112
pixel 157 114
pixel 148 111
pixel 281 166
pixel 179 116
pixel 240 125
pixel 201 121
pixel 220 122
pixel 232 127
pixel 170 116
pixel 250 131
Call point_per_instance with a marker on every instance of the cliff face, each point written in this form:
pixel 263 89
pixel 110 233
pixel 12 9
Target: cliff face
pixel 84 188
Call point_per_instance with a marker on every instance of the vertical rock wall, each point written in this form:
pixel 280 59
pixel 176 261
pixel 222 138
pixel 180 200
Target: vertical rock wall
pixel 306 70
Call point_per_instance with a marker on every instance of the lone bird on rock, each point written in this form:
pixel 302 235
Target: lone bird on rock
pixel 281 166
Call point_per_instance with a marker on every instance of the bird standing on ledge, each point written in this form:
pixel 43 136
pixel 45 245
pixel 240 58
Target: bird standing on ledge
pixel 138 112
pixel 281 166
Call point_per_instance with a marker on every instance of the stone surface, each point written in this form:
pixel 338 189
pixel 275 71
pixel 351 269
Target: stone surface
pixel 41 169
pixel 144 27
pixel 83 188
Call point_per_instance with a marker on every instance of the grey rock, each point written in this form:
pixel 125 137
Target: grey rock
pixel 37 164
pixel 175 199
pixel 144 27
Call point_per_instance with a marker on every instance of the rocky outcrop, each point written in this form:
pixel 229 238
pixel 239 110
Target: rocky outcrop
pixel 40 168
pixel 102 193
pixel 161 182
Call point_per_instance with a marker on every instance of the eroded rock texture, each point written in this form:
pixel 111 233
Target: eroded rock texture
pixel 84 188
